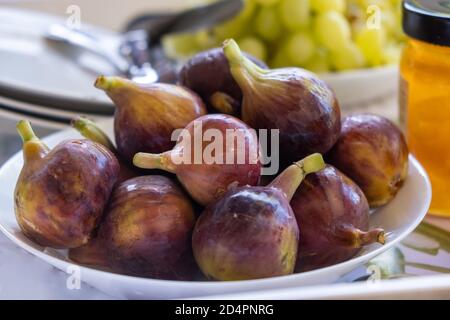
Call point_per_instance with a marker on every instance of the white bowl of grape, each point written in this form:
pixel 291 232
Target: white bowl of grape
pixel 355 45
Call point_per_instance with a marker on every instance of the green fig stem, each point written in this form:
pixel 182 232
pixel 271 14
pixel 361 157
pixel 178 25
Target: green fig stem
pixel 291 178
pixel 33 147
pixel 160 161
pixel 107 83
pixel 244 71
pixel 357 238
pixel 224 103
pixel 26 131
pixel 91 131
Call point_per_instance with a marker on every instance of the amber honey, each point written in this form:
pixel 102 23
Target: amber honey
pixel 425 114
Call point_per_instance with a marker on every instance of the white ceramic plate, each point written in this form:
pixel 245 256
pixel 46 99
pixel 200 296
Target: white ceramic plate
pixel 364 85
pixel 33 70
pixel 27 110
pixel 400 217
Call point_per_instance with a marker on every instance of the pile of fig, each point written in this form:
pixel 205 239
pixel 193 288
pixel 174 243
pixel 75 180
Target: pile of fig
pixel 178 193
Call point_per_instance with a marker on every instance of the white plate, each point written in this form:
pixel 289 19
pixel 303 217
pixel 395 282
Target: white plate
pixel 398 218
pixel 25 110
pixel 364 85
pixel 33 70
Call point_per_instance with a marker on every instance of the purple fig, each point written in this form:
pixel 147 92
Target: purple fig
pixel 91 131
pixel 147 229
pixel 208 74
pixel 61 194
pixel 333 216
pixel 251 232
pixel 206 180
pixel 372 151
pixel 147 115
pixel 293 100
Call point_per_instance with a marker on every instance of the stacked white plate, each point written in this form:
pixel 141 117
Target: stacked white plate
pixel 41 82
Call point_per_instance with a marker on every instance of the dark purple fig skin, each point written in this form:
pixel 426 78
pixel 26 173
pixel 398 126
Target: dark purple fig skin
pixel 147 230
pixel 147 115
pixel 92 254
pixel 208 72
pixel 207 182
pixel 60 198
pixel 325 204
pixel 303 108
pixel 249 233
pixel 372 151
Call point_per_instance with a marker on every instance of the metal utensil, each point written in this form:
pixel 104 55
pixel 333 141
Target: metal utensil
pixel 139 54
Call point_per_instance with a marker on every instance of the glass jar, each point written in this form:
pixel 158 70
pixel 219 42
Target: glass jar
pixel 425 93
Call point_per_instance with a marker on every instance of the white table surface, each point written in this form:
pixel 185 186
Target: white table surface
pixel 23 276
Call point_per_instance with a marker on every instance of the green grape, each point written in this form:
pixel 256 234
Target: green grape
pixel 254 46
pixel 332 30
pixel 231 29
pixel 321 6
pixel 248 10
pixel 392 54
pixel 295 14
pixel 371 42
pixel 280 60
pixel 300 47
pixel 389 20
pixel 319 63
pixel 266 2
pixel 347 57
pixel 204 39
pixel 180 45
pixel 267 25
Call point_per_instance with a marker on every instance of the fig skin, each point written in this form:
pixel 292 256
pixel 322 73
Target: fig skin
pixel 91 131
pixel 251 232
pixel 333 216
pixel 147 230
pixel 293 100
pixel 372 151
pixel 147 115
pixel 92 253
pixel 208 74
pixel 207 182
pixel 61 194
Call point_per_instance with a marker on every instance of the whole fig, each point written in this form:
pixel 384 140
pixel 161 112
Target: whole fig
pixel 147 229
pixel 147 115
pixel 61 194
pixel 208 74
pixel 372 151
pixel 212 153
pixel 251 232
pixel 333 216
pixel 293 100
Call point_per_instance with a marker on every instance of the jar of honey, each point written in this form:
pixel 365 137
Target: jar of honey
pixel 425 93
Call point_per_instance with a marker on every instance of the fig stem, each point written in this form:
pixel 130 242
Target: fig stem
pixel 358 238
pixel 33 147
pixel 242 68
pixel 154 161
pixel 107 83
pixel 91 131
pixel 291 178
pixel 223 102
pixel 26 131
pixel 371 236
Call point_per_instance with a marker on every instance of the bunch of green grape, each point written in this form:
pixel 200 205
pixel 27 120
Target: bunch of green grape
pixel 319 35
